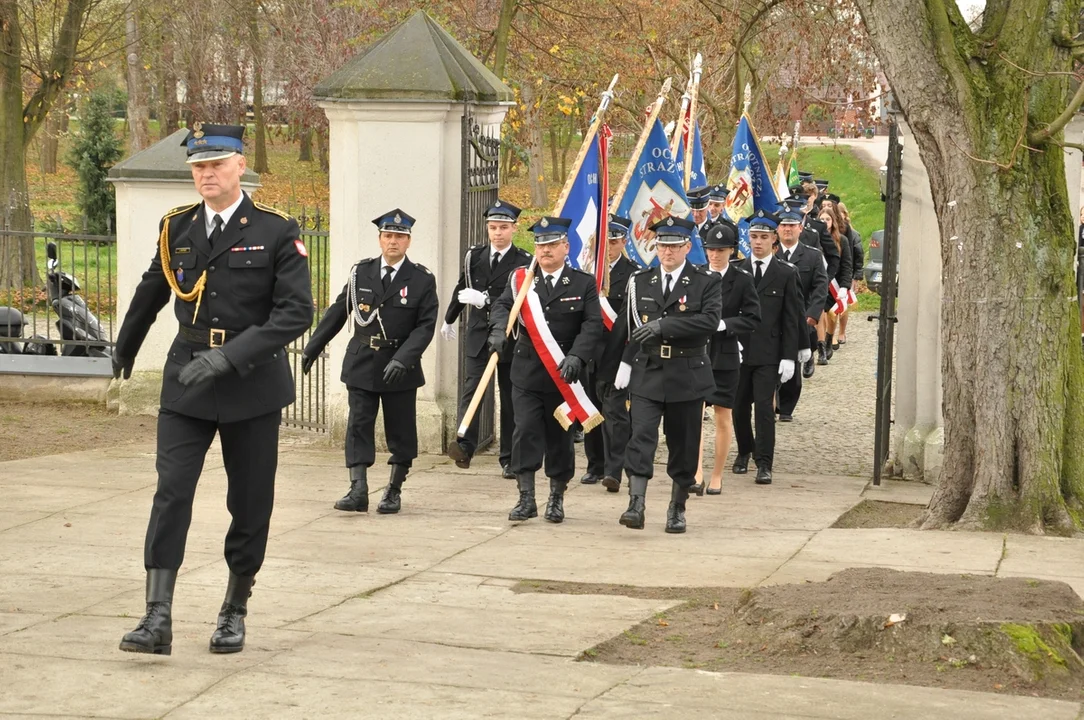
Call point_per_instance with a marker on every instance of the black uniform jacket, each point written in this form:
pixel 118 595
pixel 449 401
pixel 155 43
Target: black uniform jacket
pixel 815 234
pixel 846 262
pixel 812 279
pixel 613 344
pixel 573 316
pixel 741 312
pixel 688 320
pixel 408 314
pixel 484 279
pixel 776 337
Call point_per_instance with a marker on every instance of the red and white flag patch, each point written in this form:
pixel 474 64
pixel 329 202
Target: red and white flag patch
pixel 301 249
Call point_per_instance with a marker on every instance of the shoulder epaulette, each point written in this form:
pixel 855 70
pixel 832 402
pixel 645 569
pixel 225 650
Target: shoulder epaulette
pixel 271 210
pixel 180 209
pixel 741 270
pixel 423 268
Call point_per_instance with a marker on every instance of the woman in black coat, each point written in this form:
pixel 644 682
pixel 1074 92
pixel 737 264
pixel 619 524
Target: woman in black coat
pixel 858 254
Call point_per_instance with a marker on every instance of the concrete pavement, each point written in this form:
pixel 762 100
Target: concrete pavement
pixel 413 616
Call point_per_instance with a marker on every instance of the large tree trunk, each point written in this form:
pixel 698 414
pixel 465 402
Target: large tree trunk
pixel 169 114
pixel 139 111
pixel 500 39
pixel 50 140
pixel 257 90
pixel 536 164
pixel 305 142
pixel 17 267
pixel 1012 365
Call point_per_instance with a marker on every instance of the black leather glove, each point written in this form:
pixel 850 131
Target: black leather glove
pixel 496 341
pixel 205 366
pixel 648 331
pixel 122 365
pixel 307 363
pixel 394 372
pixel 570 368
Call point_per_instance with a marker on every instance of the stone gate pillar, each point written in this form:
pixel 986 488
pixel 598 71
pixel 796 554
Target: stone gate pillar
pixel 395 116
pixel 149 184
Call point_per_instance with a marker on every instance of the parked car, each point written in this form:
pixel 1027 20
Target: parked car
pixel 874 269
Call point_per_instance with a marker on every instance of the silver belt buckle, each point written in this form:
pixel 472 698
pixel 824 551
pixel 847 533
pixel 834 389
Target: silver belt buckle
pixel 217 338
pixel 373 339
pixel 664 352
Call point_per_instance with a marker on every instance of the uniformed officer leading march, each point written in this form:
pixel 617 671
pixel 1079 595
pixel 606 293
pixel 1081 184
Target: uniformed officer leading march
pixel 240 274
pixel 391 304
pixel 484 277
pixel 672 313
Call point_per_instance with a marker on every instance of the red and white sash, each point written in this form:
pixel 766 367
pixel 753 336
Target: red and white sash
pixel 577 406
pixel 608 314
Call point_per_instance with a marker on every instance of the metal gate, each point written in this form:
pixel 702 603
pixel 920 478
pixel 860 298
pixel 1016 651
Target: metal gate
pixel 309 410
pixel 886 330
pixel 480 177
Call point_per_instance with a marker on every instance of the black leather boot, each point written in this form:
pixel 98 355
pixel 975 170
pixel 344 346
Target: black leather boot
pixel 390 503
pixel 555 508
pixel 828 349
pixel 526 508
pixel 808 368
pixel 634 516
pixel 229 636
pixel 357 499
pixel 822 358
pixel 154 633
pixel 675 514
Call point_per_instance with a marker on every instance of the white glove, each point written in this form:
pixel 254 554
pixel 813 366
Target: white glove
pixel 722 326
pixel 624 374
pixel 804 355
pixel 448 332
pixel 740 348
pixel 470 296
pixel 786 370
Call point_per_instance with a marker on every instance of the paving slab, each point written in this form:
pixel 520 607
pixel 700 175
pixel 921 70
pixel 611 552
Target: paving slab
pixel 17 620
pixel 76 559
pixel 921 550
pixel 305 576
pixel 1046 556
pixel 751 695
pixel 14 518
pixel 28 592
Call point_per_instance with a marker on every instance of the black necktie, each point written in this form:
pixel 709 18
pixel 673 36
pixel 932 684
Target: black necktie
pixel 666 289
pixel 217 232
pixel 549 283
pixel 787 255
pixel 386 280
pixel 759 273
pixel 496 259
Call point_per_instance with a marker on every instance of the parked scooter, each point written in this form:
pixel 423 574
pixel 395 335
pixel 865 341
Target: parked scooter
pixel 75 320
pixel 12 325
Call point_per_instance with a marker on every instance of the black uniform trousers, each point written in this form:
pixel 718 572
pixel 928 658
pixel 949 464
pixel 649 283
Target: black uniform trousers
pixel 681 423
pixel 756 387
pixel 250 452
pixel 594 446
pixel 473 369
pixel 616 428
pixel 400 426
pixel 538 435
pixel 791 390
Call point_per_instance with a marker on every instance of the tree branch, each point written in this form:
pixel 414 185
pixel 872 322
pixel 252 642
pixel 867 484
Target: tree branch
pixel 1041 136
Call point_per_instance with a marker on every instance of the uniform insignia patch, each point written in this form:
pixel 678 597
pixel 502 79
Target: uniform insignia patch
pixel 301 250
pixel 544 223
pixel 182 251
pixel 564 281
pixel 364 308
pixel 398 218
pixel 198 128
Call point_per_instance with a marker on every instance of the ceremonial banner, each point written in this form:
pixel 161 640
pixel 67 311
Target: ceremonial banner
pixel 749 183
pixel 582 207
pixel 655 193
pixel 699 174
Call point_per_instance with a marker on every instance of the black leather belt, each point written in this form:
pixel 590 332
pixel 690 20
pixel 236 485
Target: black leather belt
pixel 211 337
pixel 670 351
pixel 376 342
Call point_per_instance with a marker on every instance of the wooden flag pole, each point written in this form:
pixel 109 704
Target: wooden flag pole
pixel 679 127
pixel 698 68
pixel 528 278
pixel 624 185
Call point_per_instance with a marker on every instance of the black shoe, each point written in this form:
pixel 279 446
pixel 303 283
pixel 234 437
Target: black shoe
pixel 634 517
pixel 764 476
pixel 829 348
pixel 714 491
pixel 154 633
pixel 590 478
pixel 611 483
pixel 696 489
pixel 822 358
pixel 741 464
pixel 675 514
pixel 357 499
pixel 229 636
pixel 555 508
pixel 457 452
pixel 506 472
pixel 578 437
pixel 785 418
pixel 808 368
pixel 526 508
pixel 390 503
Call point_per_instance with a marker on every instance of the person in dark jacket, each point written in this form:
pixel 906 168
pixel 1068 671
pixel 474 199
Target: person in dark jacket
pixel 859 263
pixel 830 217
pixel 240 276
pixel 740 315
pixel 391 305
pixel 484 277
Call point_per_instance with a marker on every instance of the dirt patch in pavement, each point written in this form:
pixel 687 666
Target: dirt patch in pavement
pixel 37 429
pixel 880 514
pixel 1010 635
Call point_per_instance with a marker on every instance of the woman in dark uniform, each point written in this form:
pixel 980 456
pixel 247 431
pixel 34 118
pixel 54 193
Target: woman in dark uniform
pixel 741 313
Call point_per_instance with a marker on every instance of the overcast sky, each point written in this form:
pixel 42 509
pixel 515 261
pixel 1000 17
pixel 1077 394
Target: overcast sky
pixel 971 8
